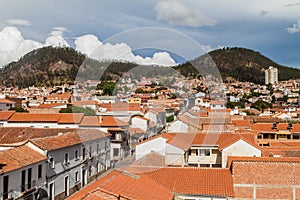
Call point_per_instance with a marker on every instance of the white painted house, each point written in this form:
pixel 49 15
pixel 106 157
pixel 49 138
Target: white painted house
pixel 74 159
pixel 22 173
pixel 239 148
pixel 6 104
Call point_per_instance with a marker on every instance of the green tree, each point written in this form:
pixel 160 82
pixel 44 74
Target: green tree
pixel 261 105
pixel 107 87
pixel 170 118
pixel 18 109
pixel 74 109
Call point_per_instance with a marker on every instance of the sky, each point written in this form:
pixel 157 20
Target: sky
pixel 164 32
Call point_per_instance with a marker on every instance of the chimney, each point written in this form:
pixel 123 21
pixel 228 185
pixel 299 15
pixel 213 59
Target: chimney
pixel 274 126
pixel 290 126
pixel 100 119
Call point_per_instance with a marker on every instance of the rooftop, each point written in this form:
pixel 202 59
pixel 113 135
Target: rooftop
pixel 18 157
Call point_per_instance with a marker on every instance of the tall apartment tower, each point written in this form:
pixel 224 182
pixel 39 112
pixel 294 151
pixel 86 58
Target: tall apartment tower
pixel 271 75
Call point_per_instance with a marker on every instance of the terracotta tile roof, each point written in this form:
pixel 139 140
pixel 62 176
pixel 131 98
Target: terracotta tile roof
pixel 265 119
pixel 68 139
pixel 10 135
pixel 6 101
pixel 70 118
pixel 100 194
pixel 128 186
pixel 180 140
pixel 18 157
pixel 107 121
pixel 28 117
pixel 232 159
pixel 147 163
pixel 195 181
pixel 133 131
pixel 65 96
pixel 158 109
pixel 5 115
pixel 82 103
pixel 121 106
pixel 223 140
pixel 143 118
pixel 50 105
pixel 280 126
pixel 244 123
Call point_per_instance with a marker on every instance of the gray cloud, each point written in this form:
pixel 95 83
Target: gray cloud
pixel 294 29
pixel 177 13
pixel 21 22
pixel 292 4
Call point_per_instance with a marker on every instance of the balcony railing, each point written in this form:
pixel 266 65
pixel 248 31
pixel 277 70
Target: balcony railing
pixel 212 159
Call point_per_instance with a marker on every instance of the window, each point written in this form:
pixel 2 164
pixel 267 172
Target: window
pixel 51 162
pixel 76 176
pixel 83 153
pixel 66 186
pixel 23 178
pixel 90 151
pixel 90 171
pixel 98 167
pixel 40 168
pixel 29 173
pixel 105 145
pixel 76 155
pixel 66 158
pixel 116 152
pixel 5 186
pixel 207 152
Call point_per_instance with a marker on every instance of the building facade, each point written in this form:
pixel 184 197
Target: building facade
pixel 271 75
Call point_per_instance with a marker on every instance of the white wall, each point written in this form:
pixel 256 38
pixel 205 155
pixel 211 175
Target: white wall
pixel 174 155
pixel 239 148
pixel 178 127
pixel 61 170
pixel 158 145
pixel 139 123
pixel 15 179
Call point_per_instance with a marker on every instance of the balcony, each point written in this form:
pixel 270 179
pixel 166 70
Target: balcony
pixel 212 159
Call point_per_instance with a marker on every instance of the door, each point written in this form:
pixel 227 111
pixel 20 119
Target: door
pixel 66 186
pixel 51 191
pixel 83 177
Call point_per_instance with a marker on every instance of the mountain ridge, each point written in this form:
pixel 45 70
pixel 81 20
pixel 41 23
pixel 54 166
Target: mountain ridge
pixel 50 66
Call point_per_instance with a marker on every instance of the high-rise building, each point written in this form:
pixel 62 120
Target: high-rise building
pixel 271 75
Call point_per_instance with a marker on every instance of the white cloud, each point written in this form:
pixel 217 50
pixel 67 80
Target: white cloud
pixel 13 45
pixel 56 38
pixel 94 48
pixel 294 29
pixel 177 13
pixel 21 22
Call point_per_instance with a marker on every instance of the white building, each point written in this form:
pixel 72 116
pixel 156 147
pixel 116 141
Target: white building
pixel 6 104
pixel 22 173
pixel 74 159
pixel 271 75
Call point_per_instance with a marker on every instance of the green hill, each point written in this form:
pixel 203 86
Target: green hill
pixel 50 66
pixel 240 64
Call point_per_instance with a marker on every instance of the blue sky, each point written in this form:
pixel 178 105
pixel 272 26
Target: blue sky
pixel 271 27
